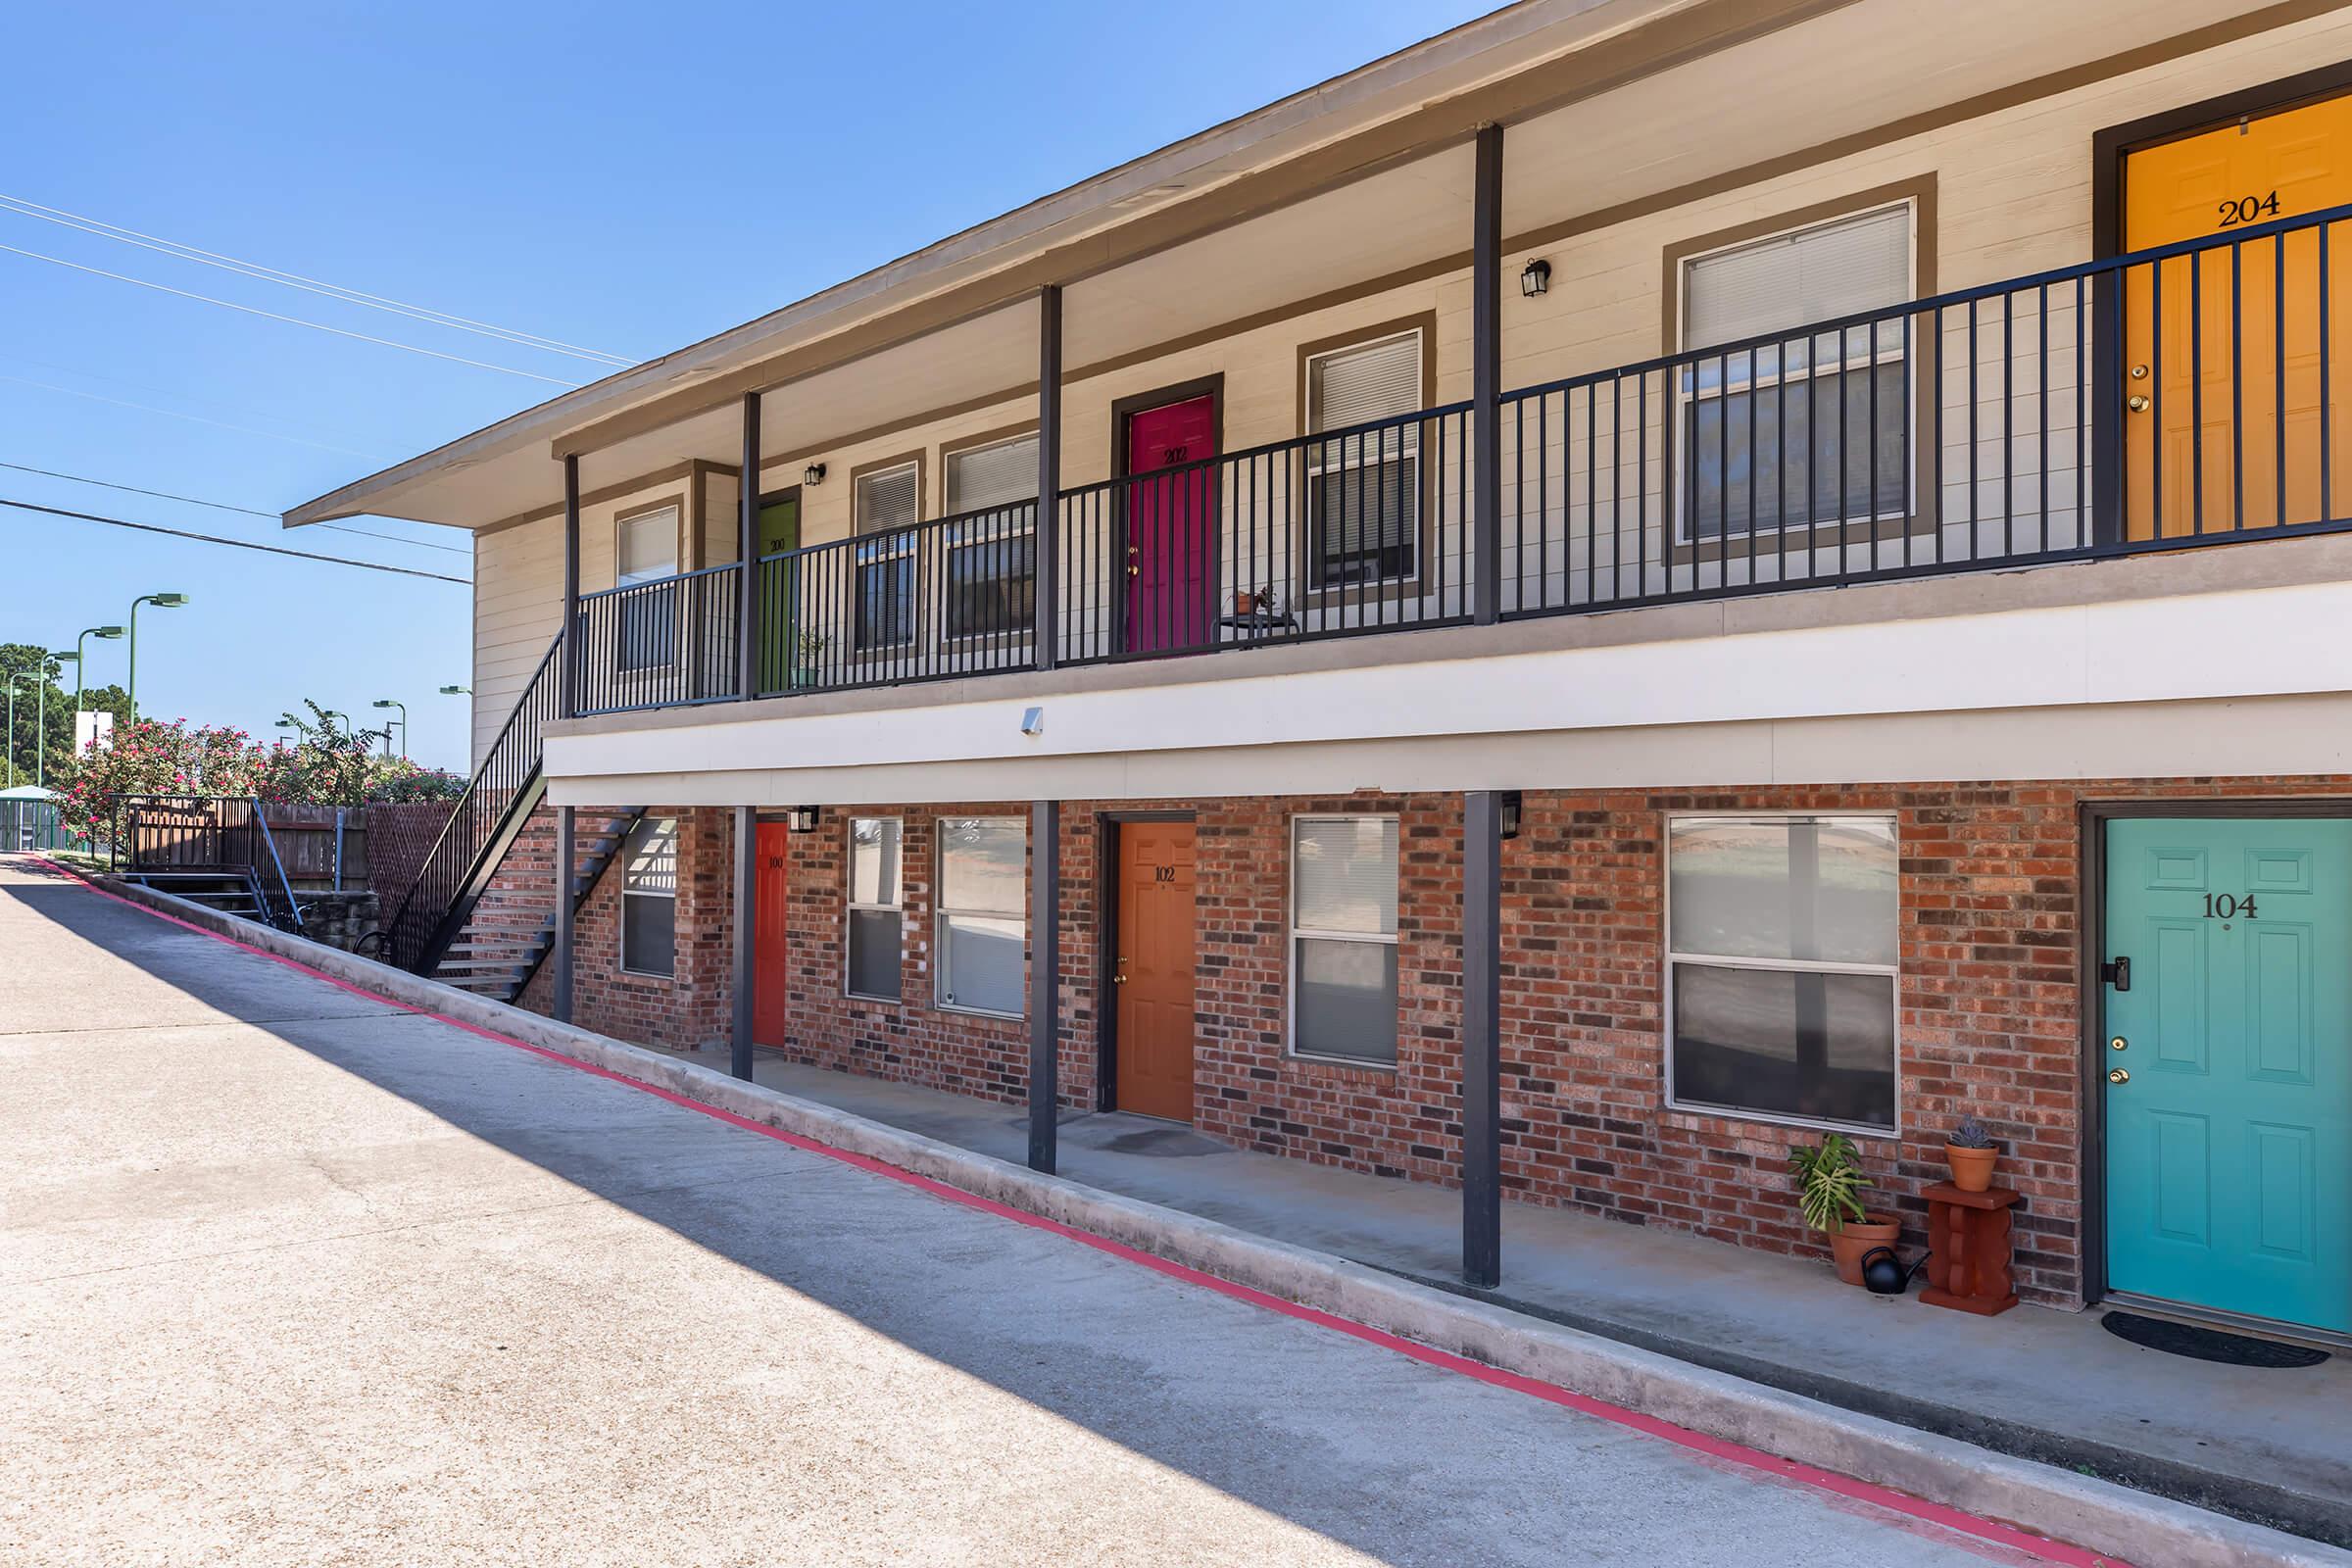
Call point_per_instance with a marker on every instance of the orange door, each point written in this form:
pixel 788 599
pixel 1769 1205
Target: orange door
pixel 770 892
pixel 1152 970
pixel 2223 349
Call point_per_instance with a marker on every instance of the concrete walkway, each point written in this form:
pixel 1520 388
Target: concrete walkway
pixel 2270 1446
pixel 288 1276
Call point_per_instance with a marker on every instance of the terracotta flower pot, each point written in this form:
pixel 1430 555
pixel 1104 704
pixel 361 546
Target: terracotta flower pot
pixel 1972 1168
pixel 1859 1236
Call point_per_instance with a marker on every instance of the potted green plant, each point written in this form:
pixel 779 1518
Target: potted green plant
pixel 808 656
pixel 1829 1181
pixel 1972 1154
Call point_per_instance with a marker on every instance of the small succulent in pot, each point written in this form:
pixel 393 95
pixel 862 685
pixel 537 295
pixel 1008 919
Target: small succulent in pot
pixel 1972 1153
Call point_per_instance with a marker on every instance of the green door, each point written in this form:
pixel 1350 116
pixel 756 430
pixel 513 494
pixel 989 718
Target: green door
pixel 779 529
pixel 2229 1132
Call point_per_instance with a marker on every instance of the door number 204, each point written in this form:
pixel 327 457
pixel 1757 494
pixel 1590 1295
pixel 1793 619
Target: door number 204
pixel 2247 209
pixel 2228 906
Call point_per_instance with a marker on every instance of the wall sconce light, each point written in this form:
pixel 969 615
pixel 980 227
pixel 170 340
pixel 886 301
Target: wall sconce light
pixel 1510 809
pixel 814 476
pixel 1535 277
pixel 801 818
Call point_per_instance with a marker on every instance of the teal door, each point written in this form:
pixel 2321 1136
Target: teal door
pixel 2229 1066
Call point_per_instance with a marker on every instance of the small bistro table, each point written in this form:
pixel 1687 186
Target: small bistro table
pixel 1969 1248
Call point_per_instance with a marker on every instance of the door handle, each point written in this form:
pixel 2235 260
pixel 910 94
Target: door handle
pixel 1120 978
pixel 2119 1075
pixel 2137 404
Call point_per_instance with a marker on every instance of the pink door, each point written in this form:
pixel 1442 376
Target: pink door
pixel 1168 527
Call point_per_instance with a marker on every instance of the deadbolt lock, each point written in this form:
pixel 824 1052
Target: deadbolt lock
pixel 2118 1043
pixel 2119 1075
pixel 2139 372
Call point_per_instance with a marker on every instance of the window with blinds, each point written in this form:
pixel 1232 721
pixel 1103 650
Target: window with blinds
pixel 1364 486
pixel 649 897
pixel 1343 938
pixel 645 550
pixel 992 563
pixel 983 926
pixel 1805 429
pixel 876 916
pixel 881 501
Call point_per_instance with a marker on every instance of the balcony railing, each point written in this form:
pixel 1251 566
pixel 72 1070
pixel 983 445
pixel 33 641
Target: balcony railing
pixel 2180 396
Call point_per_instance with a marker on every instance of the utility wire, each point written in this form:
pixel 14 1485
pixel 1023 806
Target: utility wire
pixel 296 321
pixel 191 253
pixel 236 544
pixel 222 506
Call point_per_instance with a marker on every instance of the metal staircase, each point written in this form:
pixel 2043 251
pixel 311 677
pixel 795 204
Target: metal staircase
pixel 511 931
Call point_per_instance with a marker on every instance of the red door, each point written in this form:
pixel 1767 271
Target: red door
pixel 770 889
pixel 1168 522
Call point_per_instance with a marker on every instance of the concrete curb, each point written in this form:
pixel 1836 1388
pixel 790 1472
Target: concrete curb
pixel 2144 1529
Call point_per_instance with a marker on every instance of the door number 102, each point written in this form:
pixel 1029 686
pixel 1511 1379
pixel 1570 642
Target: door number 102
pixel 2228 906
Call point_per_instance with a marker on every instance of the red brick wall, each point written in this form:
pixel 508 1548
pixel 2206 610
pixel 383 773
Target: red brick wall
pixel 1992 903
pixel 691 1009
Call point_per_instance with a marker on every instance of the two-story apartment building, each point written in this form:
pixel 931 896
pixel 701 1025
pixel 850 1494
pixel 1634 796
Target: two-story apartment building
pixel 1632 584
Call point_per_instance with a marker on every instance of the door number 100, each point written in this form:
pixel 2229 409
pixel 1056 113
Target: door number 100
pixel 2228 906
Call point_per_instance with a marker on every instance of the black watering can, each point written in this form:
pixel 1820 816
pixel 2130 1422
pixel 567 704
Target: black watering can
pixel 1884 1274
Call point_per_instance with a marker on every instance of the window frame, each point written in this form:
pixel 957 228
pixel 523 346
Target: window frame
pixel 997 527
pixel 623 518
pixel 943 973
pixel 893 546
pixel 627 893
pixel 1908 350
pixel 1294 933
pixel 1412 448
pixel 852 906
pixel 1669 957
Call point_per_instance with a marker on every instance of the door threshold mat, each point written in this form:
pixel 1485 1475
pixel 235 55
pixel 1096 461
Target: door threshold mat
pixel 2208 1345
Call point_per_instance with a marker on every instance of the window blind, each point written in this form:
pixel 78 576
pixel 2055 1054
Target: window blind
pixel 888 498
pixel 992 475
pixel 1820 274
pixel 1357 386
pixel 648 547
pixel 1346 875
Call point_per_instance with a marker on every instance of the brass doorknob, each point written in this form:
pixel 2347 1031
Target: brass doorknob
pixel 2138 404
pixel 2119 1075
pixel 1120 978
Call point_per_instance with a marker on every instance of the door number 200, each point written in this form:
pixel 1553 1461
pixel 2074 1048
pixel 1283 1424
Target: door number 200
pixel 2228 906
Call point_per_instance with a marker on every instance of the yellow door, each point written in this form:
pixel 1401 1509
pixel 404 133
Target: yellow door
pixel 2224 385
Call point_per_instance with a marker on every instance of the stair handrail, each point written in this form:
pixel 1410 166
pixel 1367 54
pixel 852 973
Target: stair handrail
pixel 521 730
pixel 262 820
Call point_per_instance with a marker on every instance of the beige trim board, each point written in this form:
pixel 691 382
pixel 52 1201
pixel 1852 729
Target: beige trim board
pixel 2264 737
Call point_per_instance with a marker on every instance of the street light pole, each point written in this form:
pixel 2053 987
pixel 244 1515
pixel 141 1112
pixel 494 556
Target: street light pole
pixel 388 701
pixel 14 677
pixel 161 602
pixel 81 666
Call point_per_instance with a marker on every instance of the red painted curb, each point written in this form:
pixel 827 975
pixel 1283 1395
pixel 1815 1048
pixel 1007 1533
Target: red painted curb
pixel 1991 1532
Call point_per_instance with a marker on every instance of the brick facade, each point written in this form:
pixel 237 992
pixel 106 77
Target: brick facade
pixel 1992 907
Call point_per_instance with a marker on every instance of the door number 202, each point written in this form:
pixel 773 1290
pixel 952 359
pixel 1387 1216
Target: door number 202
pixel 2228 906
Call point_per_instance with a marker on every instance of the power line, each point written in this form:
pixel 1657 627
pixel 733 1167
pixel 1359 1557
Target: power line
pixel 235 544
pixel 222 506
pixel 272 274
pixel 294 321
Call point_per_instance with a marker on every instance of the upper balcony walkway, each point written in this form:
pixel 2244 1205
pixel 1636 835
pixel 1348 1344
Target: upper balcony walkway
pixel 2172 398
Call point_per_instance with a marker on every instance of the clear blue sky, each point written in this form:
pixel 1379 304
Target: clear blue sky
pixel 624 177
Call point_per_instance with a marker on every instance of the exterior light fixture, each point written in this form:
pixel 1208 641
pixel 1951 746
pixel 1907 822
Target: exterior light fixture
pixel 801 818
pixel 161 602
pixel 814 476
pixel 1536 277
pixel 1510 809
pixel 456 691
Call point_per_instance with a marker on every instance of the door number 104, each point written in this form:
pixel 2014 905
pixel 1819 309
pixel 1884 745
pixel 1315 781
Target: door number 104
pixel 2228 906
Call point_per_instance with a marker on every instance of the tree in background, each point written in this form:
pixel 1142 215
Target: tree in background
pixel 38 749
pixel 327 765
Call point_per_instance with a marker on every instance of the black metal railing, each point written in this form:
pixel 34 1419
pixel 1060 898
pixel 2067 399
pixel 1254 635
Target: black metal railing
pixel 920 601
pixel 500 790
pixel 668 643
pixel 2175 396
pixel 195 834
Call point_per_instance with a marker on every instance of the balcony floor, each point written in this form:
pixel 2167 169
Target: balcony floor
pixel 2044 1384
